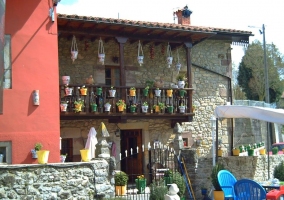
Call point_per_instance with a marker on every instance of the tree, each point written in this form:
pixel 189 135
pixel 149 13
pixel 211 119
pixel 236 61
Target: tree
pixel 251 77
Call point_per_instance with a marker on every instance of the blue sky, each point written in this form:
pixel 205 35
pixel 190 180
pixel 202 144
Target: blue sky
pixel 213 13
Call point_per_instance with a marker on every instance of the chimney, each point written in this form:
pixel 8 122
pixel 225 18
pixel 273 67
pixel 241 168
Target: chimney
pixel 183 16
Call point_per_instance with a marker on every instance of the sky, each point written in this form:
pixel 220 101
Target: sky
pixel 238 14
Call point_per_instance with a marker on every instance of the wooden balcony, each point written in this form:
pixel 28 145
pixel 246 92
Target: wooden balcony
pixel 114 116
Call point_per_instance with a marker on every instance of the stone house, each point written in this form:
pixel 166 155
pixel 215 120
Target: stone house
pixel 205 57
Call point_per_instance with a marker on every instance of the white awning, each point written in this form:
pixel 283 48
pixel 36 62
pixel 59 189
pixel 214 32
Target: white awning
pixel 260 113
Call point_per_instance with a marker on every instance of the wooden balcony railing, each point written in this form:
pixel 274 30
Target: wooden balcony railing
pixel 176 100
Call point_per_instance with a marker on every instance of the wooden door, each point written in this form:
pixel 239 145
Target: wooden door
pixel 131 164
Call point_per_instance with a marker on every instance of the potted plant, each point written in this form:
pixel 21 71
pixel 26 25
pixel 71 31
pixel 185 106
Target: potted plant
pixel 161 106
pixel 112 92
pixel 182 108
pixel 181 78
pixel 169 92
pixel 274 150
pixel 179 181
pixel 37 147
pixel 144 107
pixel 121 105
pixel 146 91
pixel 63 106
pixel 94 107
pixel 170 108
pixel 79 104
pixel 63 157
pixel 68 90
pixel 99 91
pixel 182 93
pixel 83 90
pixel 140 182
pixel 133 107
pixel 157 92
pixel 65 80
pixel 218 193
pixel 42 155
pixel 132 91
pixel 236 151
pixel 220 151
pixel 168 177
pixel 120 179
pixel 107 106
pixel 156 108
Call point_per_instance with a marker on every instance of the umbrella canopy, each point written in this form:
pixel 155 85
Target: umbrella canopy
pixel 91 142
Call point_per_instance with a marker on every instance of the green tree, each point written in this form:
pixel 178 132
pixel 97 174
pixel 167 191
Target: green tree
pixel 251 77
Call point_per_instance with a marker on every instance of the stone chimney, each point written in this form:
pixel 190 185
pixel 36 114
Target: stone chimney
pixel 183 16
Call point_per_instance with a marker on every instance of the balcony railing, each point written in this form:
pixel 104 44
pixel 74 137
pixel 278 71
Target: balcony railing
pixel 176 100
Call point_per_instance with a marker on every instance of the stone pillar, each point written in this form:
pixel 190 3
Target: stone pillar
pixel 103 148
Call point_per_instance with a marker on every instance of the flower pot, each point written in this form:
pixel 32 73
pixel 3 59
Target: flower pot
pixel 63 107
pixel 262 151
pixel 236 152
pixel 170 109
pixel 34 154
pixel 94 107
pixel 62 158
pixel 83 91
pixel 85 155
pixel 132 93
pixel 145 92
pixel 220 152
pixel 181 93
pixel 178 66
pixel 42 156
pixel 78 107
pixel 181 84
pixel 157 109
pixel 250 152
pixel 99 91
pixel 274 151
pixel 158 93
pixel 169 93
pixel 101 57
pixel 144 109
pixel 68 91
pixel 120 108
pixel 74 55
pixel 112 93
pixel 132 109
pixel 120 190
pixel 218 195
pixel 107 107
pixel 169 61
pixel 168 180
pixel 181 109
pixel 140 60
pixel 65 80
pixel 141 185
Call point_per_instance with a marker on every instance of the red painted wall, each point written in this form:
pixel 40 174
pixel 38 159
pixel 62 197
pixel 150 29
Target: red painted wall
pixel 34 59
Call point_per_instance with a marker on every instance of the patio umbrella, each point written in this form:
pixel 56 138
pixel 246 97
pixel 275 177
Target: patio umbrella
pixel 91 142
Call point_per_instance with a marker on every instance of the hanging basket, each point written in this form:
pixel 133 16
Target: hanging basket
pixel 140 56
pixel 101 52
pixel 169 56
pixel 178 65
pixel 74 49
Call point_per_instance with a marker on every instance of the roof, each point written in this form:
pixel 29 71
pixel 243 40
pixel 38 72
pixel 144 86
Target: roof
pixel 143 30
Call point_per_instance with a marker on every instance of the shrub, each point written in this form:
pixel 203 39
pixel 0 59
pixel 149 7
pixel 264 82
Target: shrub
pixel 279 171
pixel 158 190
pixel 214 176
pixel 179 180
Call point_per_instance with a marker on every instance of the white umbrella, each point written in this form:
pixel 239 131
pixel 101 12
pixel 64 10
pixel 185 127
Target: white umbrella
pixel 91 142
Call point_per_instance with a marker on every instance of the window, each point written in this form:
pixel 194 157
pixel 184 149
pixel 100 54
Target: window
pixel 112 76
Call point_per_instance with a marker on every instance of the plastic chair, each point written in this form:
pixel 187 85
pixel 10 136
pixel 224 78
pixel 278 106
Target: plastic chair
pixel 227 181
pixel 247 189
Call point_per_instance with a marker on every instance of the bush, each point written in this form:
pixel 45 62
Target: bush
pixel 179 180
pixel 158 190
pixel 279 171
pixel 214 176
pixel 120 178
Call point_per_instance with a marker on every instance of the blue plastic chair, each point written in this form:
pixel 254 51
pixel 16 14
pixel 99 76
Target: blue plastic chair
pixel 247 189
pixel 227 181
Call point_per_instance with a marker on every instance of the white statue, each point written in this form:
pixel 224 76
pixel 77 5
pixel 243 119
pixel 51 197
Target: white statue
pixel 172 194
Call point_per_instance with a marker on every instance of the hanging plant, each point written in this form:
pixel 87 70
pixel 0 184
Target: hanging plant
pixel 152 52
pixel 74 49
pixel 101 52
pixel 178 65
pixel 140 55
pixel 169 56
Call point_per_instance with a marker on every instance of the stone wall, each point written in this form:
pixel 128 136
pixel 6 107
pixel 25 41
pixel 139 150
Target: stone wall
pixel 56 181
pixel 252 167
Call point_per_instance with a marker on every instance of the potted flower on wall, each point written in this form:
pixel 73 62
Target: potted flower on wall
pixel 140 182
pixel 157 92
pixel 63 157
pixel 181 78
pixel 94 107
pixel 121 105
pixel 145 107
pixel 170 108
pixel 133 107
pixel 83 90
pixel 107 106
pixel 120 179
pixel 146 91
pixel 42 155
pixel 132 91
pixel 161 106
pixel 37 147
pixel 68 90
pixel 182 108
pixel 79 104
pixel 63 106
pixel 112 92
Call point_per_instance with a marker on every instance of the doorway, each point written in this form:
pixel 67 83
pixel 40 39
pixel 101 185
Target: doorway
pixel 131 164
pixel 67 148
